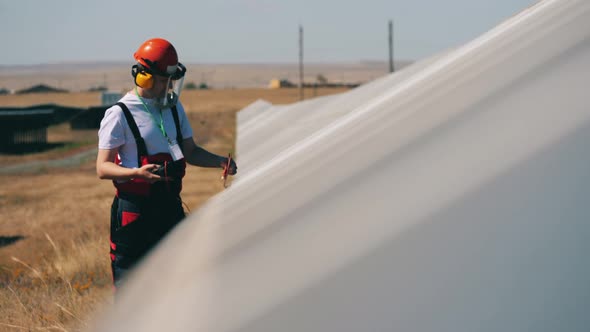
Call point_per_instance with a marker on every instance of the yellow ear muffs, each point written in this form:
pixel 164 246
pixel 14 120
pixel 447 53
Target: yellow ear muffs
pixel 144 80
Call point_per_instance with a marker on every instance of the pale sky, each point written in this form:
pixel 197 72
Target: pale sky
pixel 242 31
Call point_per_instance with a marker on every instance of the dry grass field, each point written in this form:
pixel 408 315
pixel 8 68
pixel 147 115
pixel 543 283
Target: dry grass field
pixel 54 265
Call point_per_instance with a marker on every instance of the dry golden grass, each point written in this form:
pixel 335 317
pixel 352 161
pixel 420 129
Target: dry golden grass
pixel 58 274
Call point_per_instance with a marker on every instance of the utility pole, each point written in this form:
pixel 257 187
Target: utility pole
pixel 301 97
pixel 391 66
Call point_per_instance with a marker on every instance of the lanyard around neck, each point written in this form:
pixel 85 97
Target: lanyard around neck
pixel 161 123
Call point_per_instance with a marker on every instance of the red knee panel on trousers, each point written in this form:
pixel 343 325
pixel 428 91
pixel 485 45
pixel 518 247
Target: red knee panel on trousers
pixel 128 217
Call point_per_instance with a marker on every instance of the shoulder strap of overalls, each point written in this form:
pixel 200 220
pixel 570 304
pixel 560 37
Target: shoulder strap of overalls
pixel 141 147
pixel 177 124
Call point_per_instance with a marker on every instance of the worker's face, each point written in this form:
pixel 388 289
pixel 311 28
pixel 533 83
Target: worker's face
pixel 161 85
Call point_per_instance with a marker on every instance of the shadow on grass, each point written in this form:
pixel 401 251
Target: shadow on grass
pixel 8 240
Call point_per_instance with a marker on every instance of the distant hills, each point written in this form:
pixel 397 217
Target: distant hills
pixel 116 75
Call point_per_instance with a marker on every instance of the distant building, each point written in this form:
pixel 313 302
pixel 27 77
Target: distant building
pixel 276 84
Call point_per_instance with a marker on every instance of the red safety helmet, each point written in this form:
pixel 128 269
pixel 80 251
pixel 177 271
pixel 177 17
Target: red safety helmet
pixel 158 56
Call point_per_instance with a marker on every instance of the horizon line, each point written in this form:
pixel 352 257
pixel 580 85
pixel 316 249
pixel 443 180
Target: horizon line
pixel 123 62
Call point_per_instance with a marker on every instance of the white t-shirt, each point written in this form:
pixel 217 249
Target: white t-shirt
pixel 114 131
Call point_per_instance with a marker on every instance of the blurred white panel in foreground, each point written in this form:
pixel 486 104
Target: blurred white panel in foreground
pixel 452 200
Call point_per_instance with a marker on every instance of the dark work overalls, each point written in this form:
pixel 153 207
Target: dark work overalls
pixel 143 213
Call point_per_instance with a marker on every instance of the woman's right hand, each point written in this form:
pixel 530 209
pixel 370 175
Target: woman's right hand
pixel 147 172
